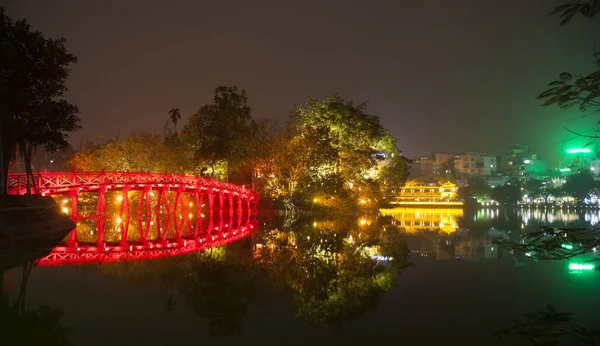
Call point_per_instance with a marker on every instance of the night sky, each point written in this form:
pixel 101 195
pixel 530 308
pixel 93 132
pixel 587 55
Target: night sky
pixel 443 75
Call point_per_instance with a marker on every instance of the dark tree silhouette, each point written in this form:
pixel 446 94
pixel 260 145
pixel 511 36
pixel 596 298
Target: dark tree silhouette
pixel 218 132
pixel 174 116
pixel 33 71
pixel 575 90
pixel 550 327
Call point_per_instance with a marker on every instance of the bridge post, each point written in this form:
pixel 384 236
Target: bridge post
pixel 230 209
pixel 101 225
pixel 211 199
pixel 163 195
pixel 221 201
pixel 199 200
pixel 124 211
pixel 179 201
pixel 101 206
pixel 74 194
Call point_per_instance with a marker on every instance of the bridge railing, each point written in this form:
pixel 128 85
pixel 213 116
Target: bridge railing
pixel 17 182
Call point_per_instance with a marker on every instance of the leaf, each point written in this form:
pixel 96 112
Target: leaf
pixel 551 101
pixel 566 76
pixel 560 8
pixel 546 93
pixel 582 83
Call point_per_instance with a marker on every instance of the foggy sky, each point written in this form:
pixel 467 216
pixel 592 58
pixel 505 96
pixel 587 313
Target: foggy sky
pixel 443 75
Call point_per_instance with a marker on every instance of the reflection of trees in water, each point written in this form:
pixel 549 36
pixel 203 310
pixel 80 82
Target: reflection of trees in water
pixel 330 270
pixel 549 327
pixel 21 325
pixel 325 267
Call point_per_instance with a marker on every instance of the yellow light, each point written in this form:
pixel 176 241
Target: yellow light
pixel 363 221
pixel 190 215
pixel 152 194
pixel 65 210
pixel 151 223
pixel 118 219
pixel 191 204
pixel 65 201
pixel 315 200
pixel 315 224
pixel 119 198
pixel 363 201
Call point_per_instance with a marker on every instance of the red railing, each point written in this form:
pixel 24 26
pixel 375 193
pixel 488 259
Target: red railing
pixel 62 182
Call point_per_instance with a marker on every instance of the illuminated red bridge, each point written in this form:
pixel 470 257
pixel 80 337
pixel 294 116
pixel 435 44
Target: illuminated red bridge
pixel 171 217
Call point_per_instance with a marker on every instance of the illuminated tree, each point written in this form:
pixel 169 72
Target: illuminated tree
pixel 580 185
pixel 139 152
pixel 477 188
pixel 33 72
pixel 341 143
pixel 507 194
pixel 218 132
pixel 294 158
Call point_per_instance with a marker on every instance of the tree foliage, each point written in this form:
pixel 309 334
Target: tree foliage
pixel 586 8
pixel 33 74
pixel 218 132
pixel 576 90
pixel 333 140
pixel 580 185
pixel 139 152
pixel 174 117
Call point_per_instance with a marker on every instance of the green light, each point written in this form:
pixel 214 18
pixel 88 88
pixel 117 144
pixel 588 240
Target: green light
pixel 567 246
pixel 579 266
pixel 579 150
pixel 565 169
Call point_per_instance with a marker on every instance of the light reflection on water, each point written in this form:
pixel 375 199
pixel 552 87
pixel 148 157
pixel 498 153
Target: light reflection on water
pixel 414 220
pixel 449 220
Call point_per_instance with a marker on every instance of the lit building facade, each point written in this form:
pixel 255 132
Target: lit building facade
pixel 475 164
pixel 443 164
pixel 419 193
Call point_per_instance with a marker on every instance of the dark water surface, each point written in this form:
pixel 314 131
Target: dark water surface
pixel 461 289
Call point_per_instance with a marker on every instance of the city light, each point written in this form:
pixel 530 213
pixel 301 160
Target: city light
pixel 578 150
pixel 567 246
pixel 580 266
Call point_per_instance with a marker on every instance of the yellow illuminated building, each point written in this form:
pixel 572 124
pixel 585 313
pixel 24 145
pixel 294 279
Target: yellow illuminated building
pixel 416 193
pixel 425 219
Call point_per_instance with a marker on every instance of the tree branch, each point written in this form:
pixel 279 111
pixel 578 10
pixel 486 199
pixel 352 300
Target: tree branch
pixel 582 135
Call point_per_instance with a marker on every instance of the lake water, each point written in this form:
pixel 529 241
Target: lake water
pixel 331 282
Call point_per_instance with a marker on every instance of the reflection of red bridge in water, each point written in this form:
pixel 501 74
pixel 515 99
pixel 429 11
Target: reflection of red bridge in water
pixel 192 231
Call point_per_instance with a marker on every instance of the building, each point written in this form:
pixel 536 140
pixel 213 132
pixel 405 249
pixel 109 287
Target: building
pixel 535 168
pixel 443 164
pixel 418 193
pixel 522 164
pixel 475 164
pixel 422 167
pixel 578 159
pixel 514 161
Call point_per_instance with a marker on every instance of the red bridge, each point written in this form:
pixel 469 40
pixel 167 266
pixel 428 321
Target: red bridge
pixel 160 199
